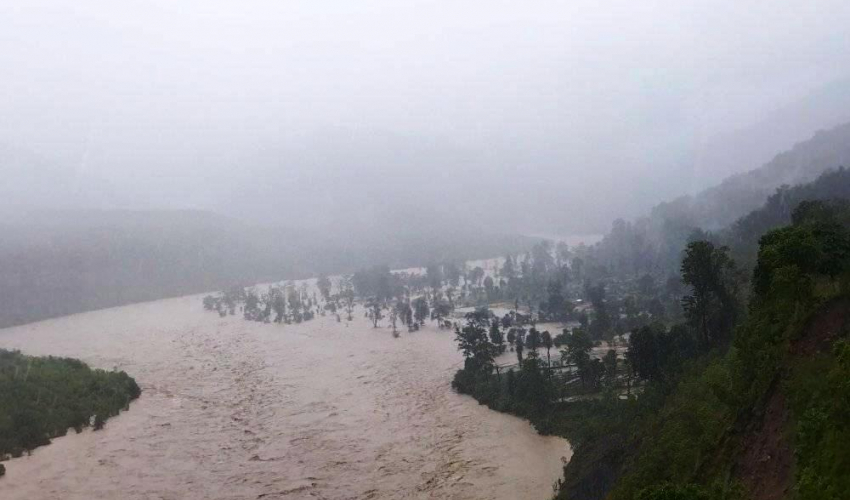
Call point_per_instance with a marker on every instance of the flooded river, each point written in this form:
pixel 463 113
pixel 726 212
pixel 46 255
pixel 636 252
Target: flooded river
pixel 233 409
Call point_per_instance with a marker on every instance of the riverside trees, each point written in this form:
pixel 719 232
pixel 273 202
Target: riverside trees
pixel 711 306
pixel 655 351
pixel 288 303
pixel 42 397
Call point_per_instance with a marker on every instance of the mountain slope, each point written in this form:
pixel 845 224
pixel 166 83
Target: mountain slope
pixel 736 196
pixel 726 154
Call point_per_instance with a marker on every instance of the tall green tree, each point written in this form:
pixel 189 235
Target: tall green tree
pixel 546 342
pixel 711 306
pixel 533 342
pixel 478 352
pixel 519 345
pixel 496 337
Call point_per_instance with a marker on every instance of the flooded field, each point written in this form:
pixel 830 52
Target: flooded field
pixel 233 409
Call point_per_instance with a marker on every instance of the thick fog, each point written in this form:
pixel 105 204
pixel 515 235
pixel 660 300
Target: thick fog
pixel 547 117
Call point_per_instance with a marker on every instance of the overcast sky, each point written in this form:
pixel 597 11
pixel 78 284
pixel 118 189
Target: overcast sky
pixel 556 116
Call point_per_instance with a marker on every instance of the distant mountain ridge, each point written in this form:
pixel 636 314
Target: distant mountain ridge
pixel 726 154
pixel 54 263
pixel 653 243
pixel 740 194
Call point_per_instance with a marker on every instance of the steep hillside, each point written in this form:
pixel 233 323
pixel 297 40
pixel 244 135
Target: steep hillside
pixel 767 459
pixel 729 153
pixel 652 244
pixel 736 196
pixel 763 418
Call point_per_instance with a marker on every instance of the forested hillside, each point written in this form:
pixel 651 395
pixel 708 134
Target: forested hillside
pixel 713 367
pixel 653 243
pixel 741 394
pixel 739 194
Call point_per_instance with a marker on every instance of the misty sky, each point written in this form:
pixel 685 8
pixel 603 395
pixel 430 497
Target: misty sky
pixel 546 116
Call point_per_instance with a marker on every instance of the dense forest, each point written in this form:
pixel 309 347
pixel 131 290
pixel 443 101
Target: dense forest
pixel 42 397
pixel 717 371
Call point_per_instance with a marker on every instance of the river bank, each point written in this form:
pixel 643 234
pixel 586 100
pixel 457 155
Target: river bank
pixel 238 409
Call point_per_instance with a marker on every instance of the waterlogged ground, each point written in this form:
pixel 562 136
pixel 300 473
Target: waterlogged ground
pixel 238 410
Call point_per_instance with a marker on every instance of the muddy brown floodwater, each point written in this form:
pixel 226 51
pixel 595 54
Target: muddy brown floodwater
pixel 233 409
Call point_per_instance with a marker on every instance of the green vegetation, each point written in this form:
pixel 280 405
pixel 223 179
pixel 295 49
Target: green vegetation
pixel 42 397
pixel 717 402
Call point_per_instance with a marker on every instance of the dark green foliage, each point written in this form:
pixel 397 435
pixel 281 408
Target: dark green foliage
pixel 601 326
pixel 702 383
pixel 711 306
pixel 819 396
pixel 533 341
pixel 42 397
pixel 656 352
pixel 695 432
pixel 675 492
pixel 556 307
pixel 477 349
pixel 547 343
pixel 496 337
pixel 812 247
pixel 578 346
pixel 811 200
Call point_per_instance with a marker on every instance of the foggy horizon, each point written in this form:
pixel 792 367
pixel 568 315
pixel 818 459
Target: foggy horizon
pixel 416 249
pixel 522 117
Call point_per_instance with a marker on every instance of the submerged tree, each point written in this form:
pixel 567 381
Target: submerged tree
pixel 393 320
pixel 519 345
pixel 420 310
pixel 434 276
pixel 347 293
pixel 511 338
pixel 278 304
pixel 375 312
pixel 546 342
pixel 441 310
pixel 324 286
pixel 533 342
pixel 496 337
pixel 600 327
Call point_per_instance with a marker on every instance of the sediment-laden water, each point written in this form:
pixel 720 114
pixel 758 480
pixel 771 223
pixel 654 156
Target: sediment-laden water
pixel 233 409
